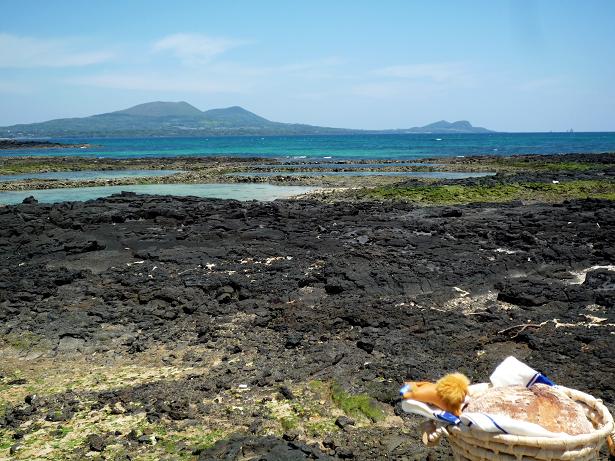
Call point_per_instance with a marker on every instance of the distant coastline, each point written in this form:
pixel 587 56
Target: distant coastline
pixel 7 144
pixel 182 119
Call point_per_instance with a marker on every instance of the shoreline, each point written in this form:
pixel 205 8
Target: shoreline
pixel 156 327
pixel 571 175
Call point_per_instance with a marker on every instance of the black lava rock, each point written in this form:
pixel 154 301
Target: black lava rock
pixel 343 422
pixel 287 393
pixel 95 442
pixel 30 200
pixel 366 346
pixel 293 341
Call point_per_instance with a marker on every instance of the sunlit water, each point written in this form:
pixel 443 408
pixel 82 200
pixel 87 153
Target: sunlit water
pixel 337 147
pixel 262 192
pixel 322 149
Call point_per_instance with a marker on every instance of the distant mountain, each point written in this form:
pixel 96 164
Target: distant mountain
pixel 165 119
pixel 182 119
pixel 162 109
pixel 238 116
pixel 443 127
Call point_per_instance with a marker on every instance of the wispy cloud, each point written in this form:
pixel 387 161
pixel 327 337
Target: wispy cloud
pixel 310 69
pixel 29 52
pixel 413 80
pixel 434 72
pixel 149 82
pixel 195 48
pixel 213 77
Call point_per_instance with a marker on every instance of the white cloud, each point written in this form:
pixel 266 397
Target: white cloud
pixel 313 69
pixel 214 77
pixel 29 52
pixel 414 80
pixel 195 48
pixel 159 82
pixel 433 72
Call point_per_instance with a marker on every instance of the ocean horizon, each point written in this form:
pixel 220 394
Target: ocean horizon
pixel 334 147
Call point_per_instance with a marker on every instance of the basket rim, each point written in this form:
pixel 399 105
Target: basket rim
pixel 606 429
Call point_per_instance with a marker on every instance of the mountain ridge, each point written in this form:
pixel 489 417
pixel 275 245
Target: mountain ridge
pixel 163 118
pixel 161 109
pixel 442 126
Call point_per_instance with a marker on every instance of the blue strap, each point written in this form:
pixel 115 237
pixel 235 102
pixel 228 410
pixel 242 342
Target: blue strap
pixel 447 417
pixel 539 378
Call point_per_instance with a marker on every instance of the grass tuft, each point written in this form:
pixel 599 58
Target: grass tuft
pixel 356 405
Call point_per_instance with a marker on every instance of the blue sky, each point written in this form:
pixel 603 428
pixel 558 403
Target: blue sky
pixel 517 65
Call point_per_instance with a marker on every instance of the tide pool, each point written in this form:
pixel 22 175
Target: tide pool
pixel 261 192
pixel 89 174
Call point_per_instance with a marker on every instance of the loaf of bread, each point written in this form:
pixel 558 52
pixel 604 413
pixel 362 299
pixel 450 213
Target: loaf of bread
pixel 540 404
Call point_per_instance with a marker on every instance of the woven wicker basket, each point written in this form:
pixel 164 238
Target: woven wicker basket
pixel 471 445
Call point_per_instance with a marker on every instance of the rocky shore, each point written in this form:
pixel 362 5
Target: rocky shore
pixel 25 144
pixel 154 327
pixel 506 170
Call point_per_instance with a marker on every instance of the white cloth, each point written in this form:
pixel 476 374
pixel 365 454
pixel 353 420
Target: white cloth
pixel 429 411
pixel 510 372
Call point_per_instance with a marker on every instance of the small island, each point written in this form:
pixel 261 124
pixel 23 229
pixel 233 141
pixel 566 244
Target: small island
pixel 36 144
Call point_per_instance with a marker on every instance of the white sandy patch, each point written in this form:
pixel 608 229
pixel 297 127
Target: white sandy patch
pixel 579 276
pixel 506 251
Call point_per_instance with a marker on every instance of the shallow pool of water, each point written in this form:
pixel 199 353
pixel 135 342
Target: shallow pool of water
pixel 88 174
pixel 263 192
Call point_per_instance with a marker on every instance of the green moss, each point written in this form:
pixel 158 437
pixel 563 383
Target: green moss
pixel 208 439
pixel 356 405
pixel 289 422
pixel 181 445
pixel 317 386
pixel 455 194
pixel 74 443
pixel 6 441
pixel 12 166
pixel 537 164
pixel 321 428
pixel 24 341
pixel 62 432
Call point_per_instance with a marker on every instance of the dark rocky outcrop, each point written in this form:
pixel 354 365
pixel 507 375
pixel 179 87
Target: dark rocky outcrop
pixel 426 291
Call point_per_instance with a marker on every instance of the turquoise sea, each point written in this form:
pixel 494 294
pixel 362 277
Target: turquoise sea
pixel 322 149
pixel 383 146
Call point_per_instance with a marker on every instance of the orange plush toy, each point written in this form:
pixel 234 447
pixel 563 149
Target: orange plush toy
pixel 448 393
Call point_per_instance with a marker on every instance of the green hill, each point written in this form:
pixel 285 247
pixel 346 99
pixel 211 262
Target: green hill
pixel 162 109
pixel 182 119
pixel 164 119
